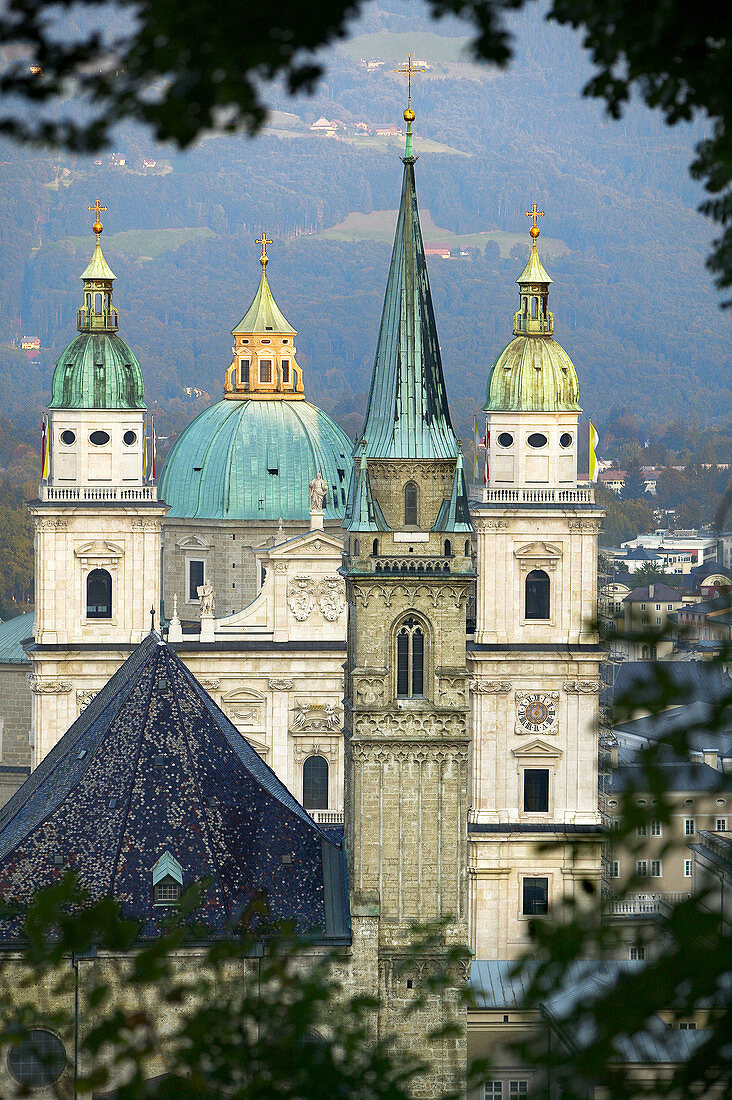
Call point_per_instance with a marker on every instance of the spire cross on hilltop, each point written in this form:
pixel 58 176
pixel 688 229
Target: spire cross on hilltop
pixel 409 69
pixel 97 227
pixel 534 231
pixel 264 241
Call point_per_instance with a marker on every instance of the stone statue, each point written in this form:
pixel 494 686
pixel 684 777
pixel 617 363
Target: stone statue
pixel 318 488
pixel 206 594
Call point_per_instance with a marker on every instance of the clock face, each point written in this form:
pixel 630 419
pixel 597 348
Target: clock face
pixel 537 711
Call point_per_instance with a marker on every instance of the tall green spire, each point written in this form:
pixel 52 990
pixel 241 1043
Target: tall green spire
pixel 407 414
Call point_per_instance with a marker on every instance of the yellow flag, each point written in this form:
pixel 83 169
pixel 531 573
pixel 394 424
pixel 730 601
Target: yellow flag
pixel 475 448
pixel 594 440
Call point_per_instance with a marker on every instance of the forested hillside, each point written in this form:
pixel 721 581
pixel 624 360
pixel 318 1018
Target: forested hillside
pixel 634 306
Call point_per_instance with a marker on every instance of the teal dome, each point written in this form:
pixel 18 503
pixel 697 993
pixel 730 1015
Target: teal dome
pixel 254 459
pixel 97 371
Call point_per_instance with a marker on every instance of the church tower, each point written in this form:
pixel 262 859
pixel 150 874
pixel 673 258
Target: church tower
pixel 408 571
pixel 535 660
pixel 97 518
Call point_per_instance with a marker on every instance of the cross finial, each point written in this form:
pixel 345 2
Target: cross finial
pixel 152 619
pixel 409 70
pixel 97 227
pixel 534 231
pixel 264 241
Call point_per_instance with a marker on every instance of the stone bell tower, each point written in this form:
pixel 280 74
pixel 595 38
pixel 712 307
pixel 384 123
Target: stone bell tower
pixel 97 517
pixel 535 660
pixel 408 571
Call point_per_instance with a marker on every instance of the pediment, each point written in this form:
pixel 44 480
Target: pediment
pixel 99 548
pixel 311 544
pixel 243 695
pixel 537 748
pixel 543 550
pixel 193 542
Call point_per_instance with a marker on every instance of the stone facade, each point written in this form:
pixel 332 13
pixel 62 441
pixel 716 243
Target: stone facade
pixel 407 752
pixel 15 722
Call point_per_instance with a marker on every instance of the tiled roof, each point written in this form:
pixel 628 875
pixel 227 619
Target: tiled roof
pixel 676 777
pixel 662 593
pixel 12 633
pixel 686 681
pixel 153 766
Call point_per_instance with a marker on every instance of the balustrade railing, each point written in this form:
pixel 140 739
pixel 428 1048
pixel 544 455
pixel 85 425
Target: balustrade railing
pixel 99 492
pixel 327 817
pixel 532 496
pixel 640 904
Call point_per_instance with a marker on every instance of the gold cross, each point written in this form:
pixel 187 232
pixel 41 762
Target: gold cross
pixel 264 241
pixel 409 70
pixel 97 227
pixel 534 231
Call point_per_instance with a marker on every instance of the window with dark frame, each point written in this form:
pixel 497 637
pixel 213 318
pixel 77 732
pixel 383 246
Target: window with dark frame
pixel 411 505
pixel 536 790
pixel 99 594
pixel 535 897
pixel 286 370
pixel 265 370
pixel 315 783
pixel 410 660
pixel 167 891
pixel 537 595
pixel 195 577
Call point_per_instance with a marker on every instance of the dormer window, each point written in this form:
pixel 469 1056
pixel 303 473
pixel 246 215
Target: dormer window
pixel 167 877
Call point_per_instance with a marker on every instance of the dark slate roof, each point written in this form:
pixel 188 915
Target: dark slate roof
pixel 662 593
pixel 640 553
pixel 12 633
pixel 407 414
pixel 687 681
pixel 705 607
pixel 185 782
pixel 676 777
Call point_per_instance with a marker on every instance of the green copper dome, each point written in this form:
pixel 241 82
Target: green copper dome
pixel 533 373
pixel 254 460
pixel 97 371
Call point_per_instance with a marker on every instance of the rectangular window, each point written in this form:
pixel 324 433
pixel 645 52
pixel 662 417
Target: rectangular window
pixel 265 370
pixel 643 607
pixel 638 953
pixel 536 790
pixel 688 868
pixel 285 370
pixel 244 371
pixel 656 829
pixel 669 607
pixel 721 825
pixel 195 578
pixel 615 869
pixel 687 1025
pixel 642 830
pixel 518 1088
pixel 492 1090
pixel 689 826
pixel 656 868
pixel 641 868
pixel 536 897
pixel 658 607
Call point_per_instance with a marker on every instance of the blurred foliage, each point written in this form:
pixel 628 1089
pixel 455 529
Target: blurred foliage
pixel 689 961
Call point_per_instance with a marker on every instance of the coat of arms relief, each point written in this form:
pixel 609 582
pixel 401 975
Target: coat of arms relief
pixel 303 592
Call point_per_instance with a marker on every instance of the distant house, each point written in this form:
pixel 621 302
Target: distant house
pixel 148 163
pixel 441 250
pixel 323 126
pixel 612 479
pixel 708 620
pixel 372 63
pixel 647 609
pixel 392 130
pixel 650 477
pixel 31 343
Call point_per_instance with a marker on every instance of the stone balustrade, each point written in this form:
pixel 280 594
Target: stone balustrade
pixel 82 493
pixel 485 495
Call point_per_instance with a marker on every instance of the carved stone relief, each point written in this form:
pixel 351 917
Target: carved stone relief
pixel 282 684
pixel 301 597
pixel 84 698
pixel 48 687
pixel 490 687
pixel 583 687
pixel 315 717
pixel 370 690
pixel 331 598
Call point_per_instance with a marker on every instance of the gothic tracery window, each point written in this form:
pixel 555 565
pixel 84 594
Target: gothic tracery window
pixel 410 660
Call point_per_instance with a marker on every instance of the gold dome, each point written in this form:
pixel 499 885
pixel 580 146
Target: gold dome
pixel 409 115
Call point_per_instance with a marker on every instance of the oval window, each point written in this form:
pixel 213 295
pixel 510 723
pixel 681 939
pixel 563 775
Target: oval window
pixel 37 1060
pixel 565 439
pixel 537 439
pixel 68 437
pixel 130 438
pixel 505 439
pixel 99 438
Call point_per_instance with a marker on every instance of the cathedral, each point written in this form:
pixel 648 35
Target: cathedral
pixel 276 634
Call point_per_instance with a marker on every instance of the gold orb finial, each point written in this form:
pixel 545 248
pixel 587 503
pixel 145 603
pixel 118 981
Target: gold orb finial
pixel 97 226
pixel 409 115
pixel 264 240
pixel 535 213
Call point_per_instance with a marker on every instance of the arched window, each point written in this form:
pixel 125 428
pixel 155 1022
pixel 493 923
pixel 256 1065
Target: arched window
pixel 97 303
pixel 411 504
pixel 645 653
pixel 375 547
pixel 99 595
pixel 534 307
pixel 357 548
pixel 315 783
pixel 467 548
pixel 448 548
pixel 537 595
pixel 410 660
